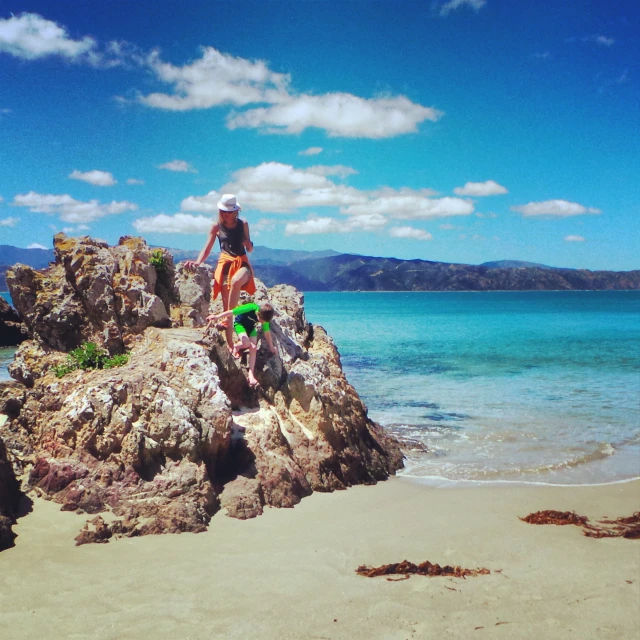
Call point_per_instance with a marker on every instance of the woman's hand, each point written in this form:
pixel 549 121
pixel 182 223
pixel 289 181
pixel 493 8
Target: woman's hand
pixel 191 265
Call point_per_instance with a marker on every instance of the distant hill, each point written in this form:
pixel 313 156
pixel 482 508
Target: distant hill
pixel 514 264
pixel 332 271
pixel 362 273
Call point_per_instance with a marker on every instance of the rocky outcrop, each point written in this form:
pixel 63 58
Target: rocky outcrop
pixel 165 441
pixel 12 331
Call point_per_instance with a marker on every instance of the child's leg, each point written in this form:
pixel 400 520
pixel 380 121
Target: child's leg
pixel 253 350
pixel 242 344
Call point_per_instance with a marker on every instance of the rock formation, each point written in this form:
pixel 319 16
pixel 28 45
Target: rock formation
pixel 165 441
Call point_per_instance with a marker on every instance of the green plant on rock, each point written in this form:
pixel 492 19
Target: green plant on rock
pixel 89 356
pixel 158 260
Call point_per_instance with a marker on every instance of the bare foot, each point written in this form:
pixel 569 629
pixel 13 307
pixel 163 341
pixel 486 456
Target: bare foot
pixel 252 380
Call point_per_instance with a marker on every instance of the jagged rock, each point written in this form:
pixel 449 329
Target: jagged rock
pixel 167 439
pixel 12 331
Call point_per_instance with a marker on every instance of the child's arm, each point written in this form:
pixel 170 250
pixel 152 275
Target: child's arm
pixel 269 339
pixel 214 317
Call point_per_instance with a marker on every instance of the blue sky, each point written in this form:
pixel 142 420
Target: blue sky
pixel 449 130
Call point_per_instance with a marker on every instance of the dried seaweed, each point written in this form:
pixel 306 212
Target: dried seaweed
pixel 555 517
pixel 625 527
pixel 426 568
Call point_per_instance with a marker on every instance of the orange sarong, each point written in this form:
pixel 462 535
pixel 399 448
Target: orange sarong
pixel 227 267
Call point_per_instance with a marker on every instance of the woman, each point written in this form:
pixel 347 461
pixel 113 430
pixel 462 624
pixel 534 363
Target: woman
pixel 233 272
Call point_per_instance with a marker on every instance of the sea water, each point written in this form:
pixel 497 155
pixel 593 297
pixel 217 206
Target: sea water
pixel 494 386
pixel 497 386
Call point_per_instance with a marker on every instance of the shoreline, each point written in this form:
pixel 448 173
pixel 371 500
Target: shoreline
pixel 290 573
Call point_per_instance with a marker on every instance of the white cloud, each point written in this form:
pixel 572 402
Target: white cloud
pixel 574 238
pixel 280 188
pixel 339 114
pixel 452 5
pixel 541 56
pixel 30 36
pixel 410 233
pixel 311 151
pixel 555 208
pixel 480 189
pixel 604 41
pixel 9 222
pixel 217 79
pixel 178 223
pixel 134 181
pixel 214 79
pixel 36 245
pixel 95 177
pixel 407 204
pixel 317 224
pixel 180 166
pixel 449 227
pixel 69 209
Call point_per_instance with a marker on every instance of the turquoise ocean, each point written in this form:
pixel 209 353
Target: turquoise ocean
pixel 540 387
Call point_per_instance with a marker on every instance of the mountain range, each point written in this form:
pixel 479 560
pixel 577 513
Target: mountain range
pixel 332 271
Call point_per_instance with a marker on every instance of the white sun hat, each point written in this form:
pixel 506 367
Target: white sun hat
pixel 228 202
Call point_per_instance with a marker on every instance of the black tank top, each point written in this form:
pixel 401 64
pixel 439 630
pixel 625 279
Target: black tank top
pixel 231 239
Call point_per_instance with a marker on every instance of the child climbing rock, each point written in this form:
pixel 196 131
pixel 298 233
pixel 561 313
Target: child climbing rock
pixel 246 318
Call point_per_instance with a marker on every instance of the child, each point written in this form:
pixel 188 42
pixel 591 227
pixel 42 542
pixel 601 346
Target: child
pixel 246 318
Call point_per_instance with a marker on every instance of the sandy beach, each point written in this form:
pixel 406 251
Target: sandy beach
pixel 291 572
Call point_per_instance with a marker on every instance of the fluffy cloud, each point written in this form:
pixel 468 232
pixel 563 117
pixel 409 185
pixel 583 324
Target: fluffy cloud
pixel 281 188
pixel 317 224
pixel 574 239
pixel 179 166
pixel 69 209
pixel 9 222
pixel 479 189
pixel 134 181
pixel 452 5
pixel 410 233
pixel 36 245
pixel 311 151
pixel 555 208
pixel 30 36
pixel 407 204
pixel 339 114
pixel 179 223
pixel 95 177
pixel 215 79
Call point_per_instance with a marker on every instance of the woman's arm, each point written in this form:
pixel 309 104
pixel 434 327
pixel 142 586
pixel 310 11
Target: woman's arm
pixel 248 245
pixel 206 250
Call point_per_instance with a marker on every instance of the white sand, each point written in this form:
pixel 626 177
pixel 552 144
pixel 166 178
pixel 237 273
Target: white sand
pixel 291 572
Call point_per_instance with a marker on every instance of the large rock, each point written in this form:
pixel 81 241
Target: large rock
pixel 166 440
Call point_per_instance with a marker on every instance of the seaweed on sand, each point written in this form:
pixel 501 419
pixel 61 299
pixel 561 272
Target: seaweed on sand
pixel 426 568
pixel 626 527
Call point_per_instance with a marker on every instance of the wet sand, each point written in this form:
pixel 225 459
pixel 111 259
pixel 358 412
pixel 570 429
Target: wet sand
pixel 291 572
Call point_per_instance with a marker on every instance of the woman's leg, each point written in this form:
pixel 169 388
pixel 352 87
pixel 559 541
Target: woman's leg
pixel 240 278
